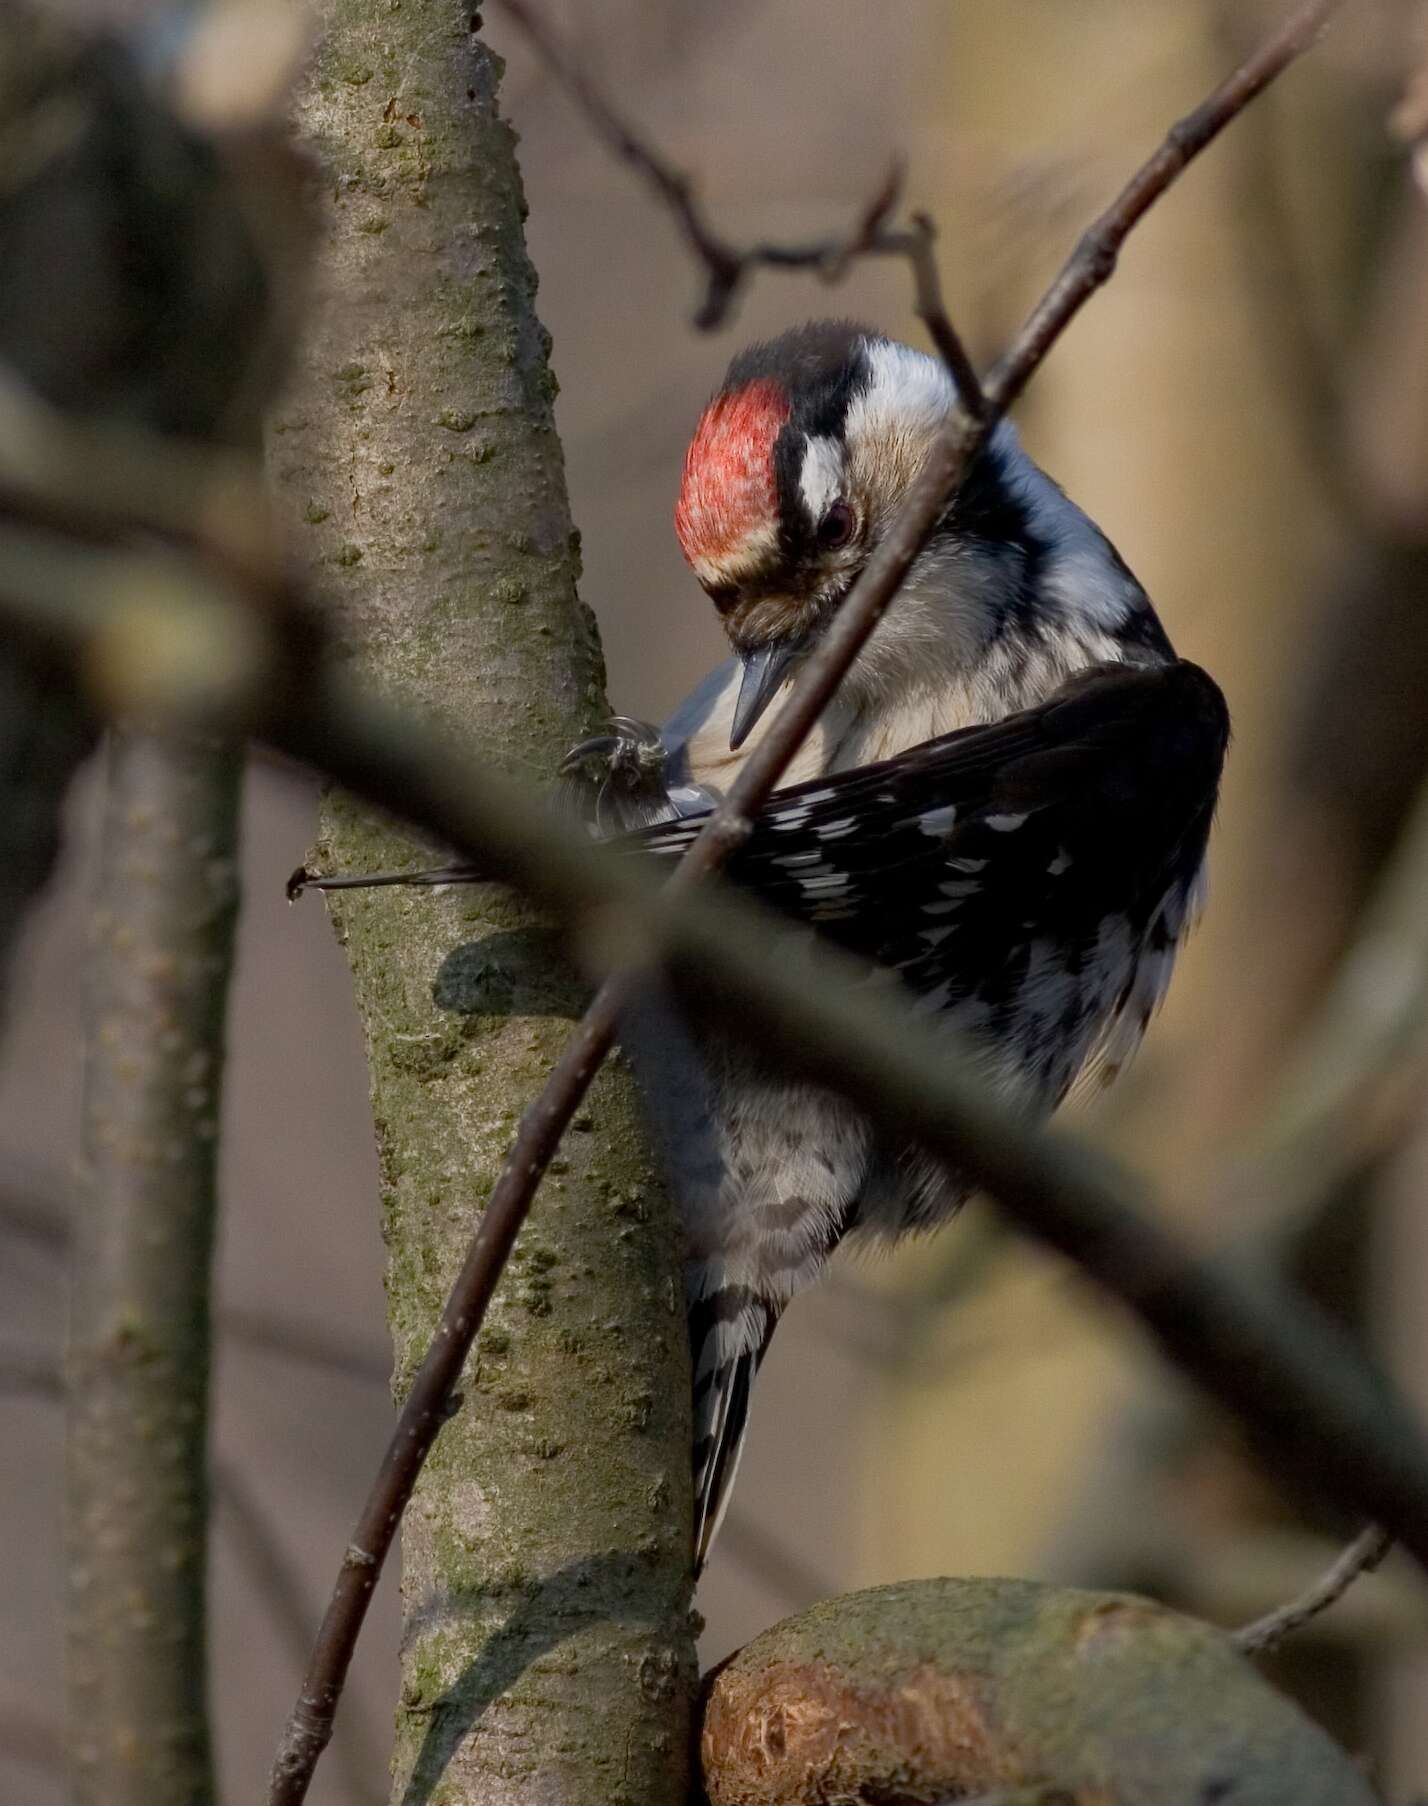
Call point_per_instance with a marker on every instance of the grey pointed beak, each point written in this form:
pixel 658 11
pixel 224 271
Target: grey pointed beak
pixel 764 671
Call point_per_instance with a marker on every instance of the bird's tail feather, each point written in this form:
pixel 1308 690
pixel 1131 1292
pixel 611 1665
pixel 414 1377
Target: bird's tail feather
pixel 729 1330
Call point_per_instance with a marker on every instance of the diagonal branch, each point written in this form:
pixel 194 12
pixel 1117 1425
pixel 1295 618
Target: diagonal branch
pixel 1301 1387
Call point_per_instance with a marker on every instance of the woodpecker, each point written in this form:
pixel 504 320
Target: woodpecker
pixel 1004 811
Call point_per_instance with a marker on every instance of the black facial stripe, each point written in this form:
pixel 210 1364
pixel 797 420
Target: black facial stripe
pixel 795 531
pixel 821 414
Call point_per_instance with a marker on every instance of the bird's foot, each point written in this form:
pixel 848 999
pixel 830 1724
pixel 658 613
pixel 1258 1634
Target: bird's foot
pixel 618 781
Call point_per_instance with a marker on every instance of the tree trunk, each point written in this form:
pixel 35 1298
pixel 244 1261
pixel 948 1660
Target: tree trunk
pixel 547 1652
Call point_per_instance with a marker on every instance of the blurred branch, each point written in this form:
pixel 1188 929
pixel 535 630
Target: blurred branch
pixel 106 478
pixel 727 267
pixel 135 289
pixel 1296 1382
pixel 139 1339
pixel 1362 1556
pixel 277 1582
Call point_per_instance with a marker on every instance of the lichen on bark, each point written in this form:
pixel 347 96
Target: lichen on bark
pixel 546 1649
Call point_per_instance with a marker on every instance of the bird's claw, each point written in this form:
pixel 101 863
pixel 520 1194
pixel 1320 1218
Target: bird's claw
pixel 618 780
pixel 632 750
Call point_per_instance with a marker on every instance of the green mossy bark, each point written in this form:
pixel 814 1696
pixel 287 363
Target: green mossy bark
pixel 937 1689
pixel 547 1652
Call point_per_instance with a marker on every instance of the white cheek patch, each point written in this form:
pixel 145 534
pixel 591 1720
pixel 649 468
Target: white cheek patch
pixel 908 395
pixel 893 419
pixel 820 482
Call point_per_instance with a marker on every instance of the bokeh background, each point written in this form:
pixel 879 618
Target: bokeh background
pixel 1245 411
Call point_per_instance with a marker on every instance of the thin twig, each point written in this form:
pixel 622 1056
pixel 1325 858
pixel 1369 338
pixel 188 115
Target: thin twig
pixel 727 266
pixel 1361 1556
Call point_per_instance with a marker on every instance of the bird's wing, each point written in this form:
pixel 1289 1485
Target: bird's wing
pixel 992 867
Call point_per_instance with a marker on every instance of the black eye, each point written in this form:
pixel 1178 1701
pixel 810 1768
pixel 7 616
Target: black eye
pixel 836 527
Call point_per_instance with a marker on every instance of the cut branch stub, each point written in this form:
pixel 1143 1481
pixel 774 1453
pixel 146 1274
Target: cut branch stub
pixel 946 1688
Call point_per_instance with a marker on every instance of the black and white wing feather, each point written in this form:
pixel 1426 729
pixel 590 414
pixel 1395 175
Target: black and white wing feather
pixel 1029 879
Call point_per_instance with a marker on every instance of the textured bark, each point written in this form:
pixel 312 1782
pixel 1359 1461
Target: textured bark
pixel 546 1651
pixel 162 950
pixel 940 1688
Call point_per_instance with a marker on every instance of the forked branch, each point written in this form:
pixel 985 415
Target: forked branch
pixel 726 266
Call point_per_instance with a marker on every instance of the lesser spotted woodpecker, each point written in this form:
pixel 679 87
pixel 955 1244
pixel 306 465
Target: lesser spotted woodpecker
pixel 1006 806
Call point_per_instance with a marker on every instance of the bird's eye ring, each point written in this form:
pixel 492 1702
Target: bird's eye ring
pixel 836 527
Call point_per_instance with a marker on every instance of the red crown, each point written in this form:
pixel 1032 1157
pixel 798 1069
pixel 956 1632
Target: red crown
pixel 729 489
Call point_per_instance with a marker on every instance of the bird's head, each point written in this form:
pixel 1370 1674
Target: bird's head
pixel 795 471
